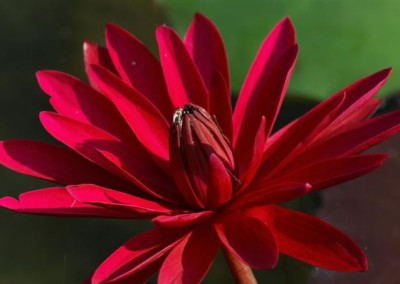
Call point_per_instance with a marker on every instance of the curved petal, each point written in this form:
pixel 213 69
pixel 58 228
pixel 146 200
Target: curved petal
pixel 184 81
pixel 97 195
pixel 182 220
pixel 54 163
pixel 57 201
pixel 107 152
pixel 142 116
pixel 251 241
pixel 311 240
pixel 138 67
pixel 327 173
pixel 190 260
pixel 75 99
pixel 219 188
pixel 266 83
pixel 220 104
pixel 98 55
pixel 266 102
pixel 137 255
pixel 271 194
pixel 206 47
pixel 352 141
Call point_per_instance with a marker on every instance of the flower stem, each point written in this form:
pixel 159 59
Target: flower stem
pixel 241 272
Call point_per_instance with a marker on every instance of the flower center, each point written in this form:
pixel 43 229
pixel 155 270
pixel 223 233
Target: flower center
pixel 203 161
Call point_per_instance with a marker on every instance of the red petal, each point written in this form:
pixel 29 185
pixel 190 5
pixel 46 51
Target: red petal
pixel 54 163
pixel 184 82
pixel 73 98
pixel 273 193
pixel 191 259
pixel 144 119
pixel 220 104
pixel 206 47
pixel 219 188
pixel 266 102
pixel 250 166
pixel 331 172
pixel 107 152
pixel 136 255
pixel 266 83
pixel 354 140
pixel 97 195
pixel 249 239
pixel 98 55
pixel 311 240
pixel 57 201
pixel 284 145
pixel 182 220
pixel 138 67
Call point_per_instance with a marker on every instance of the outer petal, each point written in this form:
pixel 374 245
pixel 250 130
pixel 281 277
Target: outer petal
pixel 142 116
pixel 98 55
pixel 57 201
pixel 105 197
pixel 75 99
pixel 182 220
pixel 54 163
pixel 265 102
pixel 137 255
pixel 266 83
pixel 352 141
pixel 252 241
pixel 184 81
pixel 207 49
pixel 271 194
pixel 106 151
pixel 220 104
pixel 138 67
pixel 191 259
pixel 331 172
pixel 311 240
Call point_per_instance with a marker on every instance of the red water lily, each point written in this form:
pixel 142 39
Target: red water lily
pixel 157 140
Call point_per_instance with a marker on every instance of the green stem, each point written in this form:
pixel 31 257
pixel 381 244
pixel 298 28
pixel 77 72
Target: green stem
pixel 241 272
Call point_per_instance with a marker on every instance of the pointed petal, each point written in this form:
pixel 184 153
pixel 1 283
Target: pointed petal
pixel 107 152
pixel 184 81
pixel 265 102
pixel 354 140
pixel 105 197
pixel 271 194
pixel 206 47
pixel 98 55
pixel 358 96
pixel 331 172
pixel 249 166
pixel 136 255
pixel 190 260
pixel 138 67
pixel 141 115
pixel 54 163
pixel 252 241
pixel 57 201
pixel 266 83
pixel 219 188
pixel 77 100
pixel 290 140
pixel 220 104
pixel 311 240
pixel 182 220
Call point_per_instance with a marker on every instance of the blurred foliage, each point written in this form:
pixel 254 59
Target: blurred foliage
pixel 340 41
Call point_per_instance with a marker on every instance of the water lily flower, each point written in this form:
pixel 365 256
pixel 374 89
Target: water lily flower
pixel 157 139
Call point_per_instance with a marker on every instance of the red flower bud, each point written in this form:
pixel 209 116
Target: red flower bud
pixel 202 158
